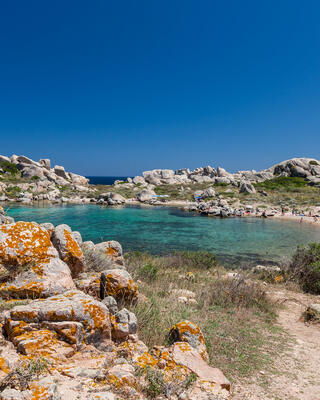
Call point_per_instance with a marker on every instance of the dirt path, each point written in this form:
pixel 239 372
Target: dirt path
pixel 297 372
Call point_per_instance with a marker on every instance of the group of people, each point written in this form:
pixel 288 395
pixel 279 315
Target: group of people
pixel 302 215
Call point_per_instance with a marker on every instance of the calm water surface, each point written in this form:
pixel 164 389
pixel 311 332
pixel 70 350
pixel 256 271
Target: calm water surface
pixel 159 230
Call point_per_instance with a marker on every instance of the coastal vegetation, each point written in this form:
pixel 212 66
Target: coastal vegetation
pixel 233 311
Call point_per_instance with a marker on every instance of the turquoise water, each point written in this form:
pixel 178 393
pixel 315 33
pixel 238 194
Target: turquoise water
pixel 161 229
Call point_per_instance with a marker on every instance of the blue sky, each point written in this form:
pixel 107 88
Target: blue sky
pixel 118 87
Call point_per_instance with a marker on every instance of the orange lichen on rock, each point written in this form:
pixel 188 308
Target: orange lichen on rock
pixel 119 284
pixel 68 248
pixel 24 242
pixel 186 331
pixel 3 366
pixel 73 249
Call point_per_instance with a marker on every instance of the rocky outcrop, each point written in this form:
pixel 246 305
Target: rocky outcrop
pixel 247 187
pixel 40 181
pixel 296 167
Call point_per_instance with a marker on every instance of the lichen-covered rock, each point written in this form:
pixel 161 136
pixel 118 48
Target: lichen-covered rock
pixel 13 394
pixel 25 242
pixel 186 331
pixel 121 375
pixel 186 355
pixel 69 317
pixel 124 323
pixel 112 249
pixel 111 304
pixel 178 362
pixel 119 284
pixel 89 283
pixel 102 396
pixel 48 226
pixel 43 279
pixel 68 248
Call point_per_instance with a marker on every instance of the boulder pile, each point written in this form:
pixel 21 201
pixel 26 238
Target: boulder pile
pixel 67 331
pixel 39 181
pixel 296 167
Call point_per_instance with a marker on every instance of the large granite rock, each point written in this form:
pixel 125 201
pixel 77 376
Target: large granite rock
pixel 68 248
pixel 43 279
pixel 119 284
pixel 72 317
pixel 112 249
pixel 145 195
pixel 25 242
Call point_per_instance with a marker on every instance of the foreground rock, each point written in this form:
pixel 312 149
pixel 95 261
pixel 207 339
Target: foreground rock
pixel 31 267
pixel 72 317
pixel 25 242
pixel 41 280
pixel 119 284
pixel 68 248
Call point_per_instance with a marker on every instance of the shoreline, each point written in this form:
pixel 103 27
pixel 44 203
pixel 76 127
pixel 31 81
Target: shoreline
pixel 179 204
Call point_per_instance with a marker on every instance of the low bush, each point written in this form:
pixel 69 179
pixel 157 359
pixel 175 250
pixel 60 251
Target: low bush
pixel 27 371
pixel 148 271
pixel 239 292
pixel 282 182
pixel 9 167
pixel 313 162
pixel 305 268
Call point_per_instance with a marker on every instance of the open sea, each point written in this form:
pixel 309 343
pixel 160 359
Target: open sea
pixel 105 180
pixel 159 230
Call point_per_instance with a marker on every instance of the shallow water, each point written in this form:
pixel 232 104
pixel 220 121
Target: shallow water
pixel 161 229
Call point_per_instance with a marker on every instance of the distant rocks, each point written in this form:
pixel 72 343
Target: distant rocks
pixel 247 187
pixel 296 167
pixel 111 199
pixel 40 182
pixel 145 195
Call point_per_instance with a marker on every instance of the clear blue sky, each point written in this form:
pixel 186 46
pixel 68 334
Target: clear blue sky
pixel 118 87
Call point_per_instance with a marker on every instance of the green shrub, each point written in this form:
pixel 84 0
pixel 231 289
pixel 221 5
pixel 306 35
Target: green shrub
pixel 9 167
pixel 313 162
pixel 305 268
pixel 195 259
pixel 282 182
pixel 156 383
pixel 35 178
pixel 13 191
pixel 148 271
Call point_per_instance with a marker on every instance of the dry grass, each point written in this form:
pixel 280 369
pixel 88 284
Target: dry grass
pixel 235 315
pixel 96 261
